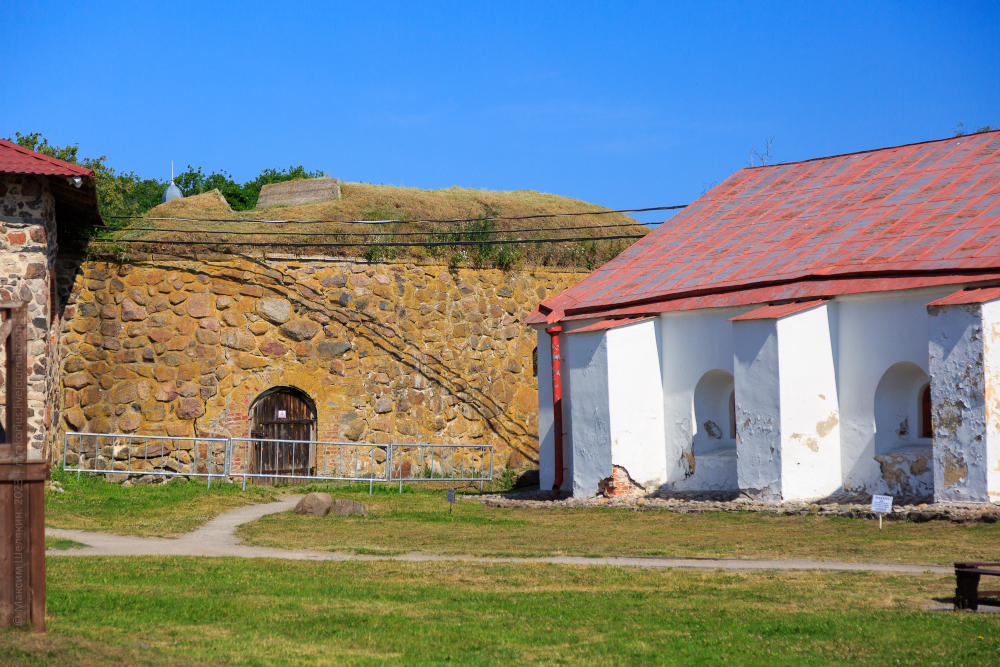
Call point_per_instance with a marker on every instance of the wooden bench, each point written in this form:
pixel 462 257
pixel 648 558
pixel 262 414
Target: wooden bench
pixel 967 593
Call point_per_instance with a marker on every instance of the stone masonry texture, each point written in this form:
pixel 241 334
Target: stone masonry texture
pixel 27 252
pixel 399 353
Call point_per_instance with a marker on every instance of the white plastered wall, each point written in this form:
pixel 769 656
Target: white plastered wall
pixel 694 343
pixel 810 411
pixel 546 430
pixel 866 335
pixel 991 344
pixel 636 402
pixel 587 442
pixel 787 410
pixel 615 406
pixel 758 407
pixel 546 434
pixel 965 370
pixel 877 331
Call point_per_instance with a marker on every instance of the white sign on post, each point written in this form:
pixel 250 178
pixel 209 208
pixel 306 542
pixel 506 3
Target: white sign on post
pixel 881 505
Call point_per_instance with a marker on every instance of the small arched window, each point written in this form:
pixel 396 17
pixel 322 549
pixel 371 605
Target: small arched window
pixel 926 424
pixel 534 363
pixel 732 415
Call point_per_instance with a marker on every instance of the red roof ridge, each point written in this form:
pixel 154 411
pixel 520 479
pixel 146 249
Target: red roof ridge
pixel 872 150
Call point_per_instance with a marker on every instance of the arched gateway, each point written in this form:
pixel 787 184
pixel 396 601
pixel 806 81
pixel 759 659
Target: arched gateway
pixel 283 414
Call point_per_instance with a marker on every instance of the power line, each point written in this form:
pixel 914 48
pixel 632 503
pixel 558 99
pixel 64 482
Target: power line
pixel 460 232
pixel 413 244
pixel 388 222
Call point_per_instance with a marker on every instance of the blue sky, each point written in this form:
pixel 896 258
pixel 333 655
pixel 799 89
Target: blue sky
pixel 622 104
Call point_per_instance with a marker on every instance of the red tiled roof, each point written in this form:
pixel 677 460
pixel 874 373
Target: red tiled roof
pixel 795 290
pixel 609 324
pixel 17 160
pixel 916 209
pixel 968 296
pixel 775 312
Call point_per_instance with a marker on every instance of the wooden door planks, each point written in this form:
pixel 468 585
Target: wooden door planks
pixel 22 489
pixel 282 415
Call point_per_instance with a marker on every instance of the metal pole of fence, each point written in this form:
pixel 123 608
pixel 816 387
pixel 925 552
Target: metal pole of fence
pixel 388 472
pixel 208 467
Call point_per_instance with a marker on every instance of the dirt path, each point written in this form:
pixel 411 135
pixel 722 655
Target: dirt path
pixel 217 539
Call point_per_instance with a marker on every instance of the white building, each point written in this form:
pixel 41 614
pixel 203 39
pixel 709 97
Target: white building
pixel 801 330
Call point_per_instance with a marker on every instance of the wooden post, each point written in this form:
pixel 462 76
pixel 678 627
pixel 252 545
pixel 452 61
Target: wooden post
pixel 22 490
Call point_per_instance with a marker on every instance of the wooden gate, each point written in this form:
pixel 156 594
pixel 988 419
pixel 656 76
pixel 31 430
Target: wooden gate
pixel 282 413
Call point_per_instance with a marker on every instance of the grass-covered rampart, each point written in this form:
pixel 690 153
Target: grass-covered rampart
pixel 479 241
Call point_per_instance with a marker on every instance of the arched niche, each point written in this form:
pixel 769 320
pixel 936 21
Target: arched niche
pixel 714 413
pixel 902 409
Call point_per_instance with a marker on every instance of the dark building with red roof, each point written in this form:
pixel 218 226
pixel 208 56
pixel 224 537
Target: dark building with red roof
pixel 801 330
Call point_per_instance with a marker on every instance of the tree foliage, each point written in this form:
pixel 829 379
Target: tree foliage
pixel 128 194
pixel 118 193
pixel 241 197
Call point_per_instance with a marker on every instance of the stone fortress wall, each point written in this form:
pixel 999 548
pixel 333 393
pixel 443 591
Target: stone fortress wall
pixel 402 353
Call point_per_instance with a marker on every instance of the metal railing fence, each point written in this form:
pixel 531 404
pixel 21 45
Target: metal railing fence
pixel 325 461
pixel 160 455
pixel 270 460
pixel 453 463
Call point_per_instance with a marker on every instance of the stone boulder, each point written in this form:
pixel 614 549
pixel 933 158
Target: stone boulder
pixel 349 508
pixel 276 311
pixel 315 504
pixel 526 479
pixel 301 330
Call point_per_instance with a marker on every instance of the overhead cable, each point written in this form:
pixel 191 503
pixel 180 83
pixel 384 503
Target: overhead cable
pixel 412 244
pixel 458 232
pixel 389 222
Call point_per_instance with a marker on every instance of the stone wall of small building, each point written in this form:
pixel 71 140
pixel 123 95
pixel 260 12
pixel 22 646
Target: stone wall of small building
pixel 401 353
pixel 27 250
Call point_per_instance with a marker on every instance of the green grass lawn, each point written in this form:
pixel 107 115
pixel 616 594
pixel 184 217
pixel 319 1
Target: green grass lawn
pixel 180 611
pixel 90 503
pixel 419 521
